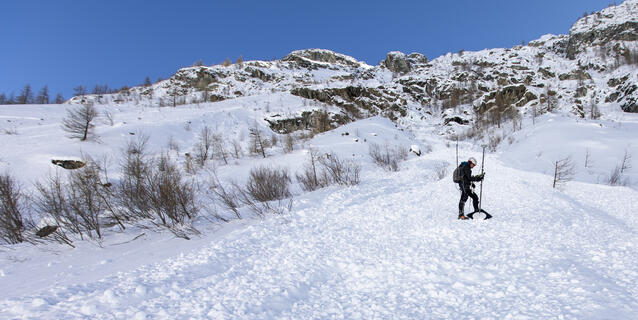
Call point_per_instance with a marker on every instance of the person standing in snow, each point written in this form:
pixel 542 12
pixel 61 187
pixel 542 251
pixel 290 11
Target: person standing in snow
pixel 466 184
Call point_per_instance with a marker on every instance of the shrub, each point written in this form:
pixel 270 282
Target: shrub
pixel 339 171
pixel 12 222
pixel 441 171
pixel 78 203
pixel 154 189
pixel 313 176
pixel 267 190
pixel 616 177
pixel 267 184
pixel 227 196
pixel 387 157
pixel 170 199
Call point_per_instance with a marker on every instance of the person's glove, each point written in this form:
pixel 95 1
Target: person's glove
pixel 481 176
pixel 473 185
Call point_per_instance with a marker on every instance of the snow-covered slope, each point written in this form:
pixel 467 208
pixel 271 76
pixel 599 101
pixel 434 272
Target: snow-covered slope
pixel 390 247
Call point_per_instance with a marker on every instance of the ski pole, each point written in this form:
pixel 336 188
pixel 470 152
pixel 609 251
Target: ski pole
pixel 481 191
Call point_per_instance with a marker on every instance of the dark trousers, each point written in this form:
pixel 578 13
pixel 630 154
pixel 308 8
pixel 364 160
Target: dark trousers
pixel 465 193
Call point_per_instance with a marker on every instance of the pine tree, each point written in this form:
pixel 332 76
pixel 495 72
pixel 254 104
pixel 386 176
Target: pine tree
pixel 26 97
pixel 59 99
pixel 43 96
pixel 80 91
pixel 147 82
pixel 3 98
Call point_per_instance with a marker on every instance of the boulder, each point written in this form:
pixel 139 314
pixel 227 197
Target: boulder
pixel 396 61
pixel 69 164
pixel 45 231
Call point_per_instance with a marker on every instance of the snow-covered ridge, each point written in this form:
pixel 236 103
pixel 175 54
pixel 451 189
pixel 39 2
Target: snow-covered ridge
pixel 401 85
pixel 323 56
pixel 608 17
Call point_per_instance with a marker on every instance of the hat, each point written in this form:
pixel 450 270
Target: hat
pixel 472 161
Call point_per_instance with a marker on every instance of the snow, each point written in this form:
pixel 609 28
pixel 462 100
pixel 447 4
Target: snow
pixel 614 15
pixel 390 247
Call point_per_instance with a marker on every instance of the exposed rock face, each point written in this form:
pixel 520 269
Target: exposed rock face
pixel 613 24
pixel 259 74
pixel 575 75
pixel 358 102
pixel 317 121
pixel 306 58
pixel 397 62
pixel 511 95
pixel 577 42
pixel 416 59
pixel 628 97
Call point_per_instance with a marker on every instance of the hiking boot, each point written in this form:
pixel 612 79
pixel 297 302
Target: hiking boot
pixel 487 216
pixel 462 217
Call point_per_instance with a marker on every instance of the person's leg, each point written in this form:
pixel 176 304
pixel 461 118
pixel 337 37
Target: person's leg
pixel 475 200
pixel 464 196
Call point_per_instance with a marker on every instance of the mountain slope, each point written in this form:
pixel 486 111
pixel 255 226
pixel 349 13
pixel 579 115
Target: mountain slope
pixel 594 66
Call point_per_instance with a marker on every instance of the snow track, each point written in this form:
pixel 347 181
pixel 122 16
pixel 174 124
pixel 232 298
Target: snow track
pixel 391 248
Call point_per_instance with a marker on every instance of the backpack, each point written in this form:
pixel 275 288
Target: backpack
pixel 456 175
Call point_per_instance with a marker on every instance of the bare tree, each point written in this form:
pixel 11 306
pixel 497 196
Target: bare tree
pixel 80 91
pixel 551 100
pixel 219 148
pixel 626 162
pixel 594 112
pixel 312 177
pixel 79 121
pixel 289 143
pixel 588 162
pixel 59 99
pixel 237 149
pixel 26 96
pixel 257 142
pixel 43 96
pixel 108 115
pixel 563 171
pixel 204 145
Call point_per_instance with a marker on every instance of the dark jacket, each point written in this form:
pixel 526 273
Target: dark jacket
pixel 466 175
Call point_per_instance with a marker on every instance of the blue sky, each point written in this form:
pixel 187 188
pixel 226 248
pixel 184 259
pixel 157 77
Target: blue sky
pixel 65 43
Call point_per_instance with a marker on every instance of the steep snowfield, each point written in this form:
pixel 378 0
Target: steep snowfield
pixel 388 248
pixel 596 148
